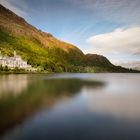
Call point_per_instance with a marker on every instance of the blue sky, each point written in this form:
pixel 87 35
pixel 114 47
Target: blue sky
pixel 92 25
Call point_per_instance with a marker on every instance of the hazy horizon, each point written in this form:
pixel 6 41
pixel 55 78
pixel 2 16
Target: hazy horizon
pixel 107 27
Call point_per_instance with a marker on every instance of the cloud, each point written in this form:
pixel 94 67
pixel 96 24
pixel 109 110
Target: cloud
pixel 121 40
pixel 17 6
pixel 132 64
pixel 135 64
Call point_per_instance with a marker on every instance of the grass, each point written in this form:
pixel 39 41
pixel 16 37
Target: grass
pixel 53 58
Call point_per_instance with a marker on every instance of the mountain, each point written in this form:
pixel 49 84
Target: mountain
pixel 42 50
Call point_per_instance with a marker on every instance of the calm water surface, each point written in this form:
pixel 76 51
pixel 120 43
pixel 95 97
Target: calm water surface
pixel 70 107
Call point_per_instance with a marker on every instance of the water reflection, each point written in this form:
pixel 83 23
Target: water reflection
pixel 38 94
pixel 14 84
pixel 115 105
pixel 73 107
pixel 120 98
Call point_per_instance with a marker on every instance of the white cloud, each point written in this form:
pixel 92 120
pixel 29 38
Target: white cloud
pixel 116 42
pixel 135 64
pixel 122 46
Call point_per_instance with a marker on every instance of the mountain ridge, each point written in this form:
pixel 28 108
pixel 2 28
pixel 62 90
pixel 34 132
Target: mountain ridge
pixel 25 28
pixel 42 50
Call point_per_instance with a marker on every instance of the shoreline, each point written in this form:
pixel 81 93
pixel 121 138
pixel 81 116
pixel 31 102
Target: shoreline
pixel 7 73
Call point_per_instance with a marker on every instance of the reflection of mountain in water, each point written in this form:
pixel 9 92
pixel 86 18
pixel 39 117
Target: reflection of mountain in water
pixel 39 94
pixel 14 84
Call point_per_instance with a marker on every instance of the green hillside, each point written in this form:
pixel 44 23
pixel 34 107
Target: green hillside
pixel 45 52
pixel 51 59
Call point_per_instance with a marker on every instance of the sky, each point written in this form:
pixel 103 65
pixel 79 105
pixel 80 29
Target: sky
pixel 107 27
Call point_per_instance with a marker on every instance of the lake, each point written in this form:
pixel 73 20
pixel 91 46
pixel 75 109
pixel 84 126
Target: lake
pixel 70 107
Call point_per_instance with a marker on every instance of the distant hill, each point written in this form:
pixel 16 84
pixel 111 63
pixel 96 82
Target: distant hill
pixel 42 50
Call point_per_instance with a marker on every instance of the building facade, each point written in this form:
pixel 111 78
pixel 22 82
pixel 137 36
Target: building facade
pixel 14 62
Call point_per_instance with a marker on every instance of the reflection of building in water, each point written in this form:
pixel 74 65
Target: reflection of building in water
pixel 13 62
pixel 13 84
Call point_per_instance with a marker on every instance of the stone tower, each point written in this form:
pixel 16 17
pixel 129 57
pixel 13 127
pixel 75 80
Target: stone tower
pixel 15 53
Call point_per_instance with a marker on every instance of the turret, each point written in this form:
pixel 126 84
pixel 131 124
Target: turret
pixel 15 54
pixel 0 55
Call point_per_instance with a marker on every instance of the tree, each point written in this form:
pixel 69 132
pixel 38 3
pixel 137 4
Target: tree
pixel 1 68
pixel 6 68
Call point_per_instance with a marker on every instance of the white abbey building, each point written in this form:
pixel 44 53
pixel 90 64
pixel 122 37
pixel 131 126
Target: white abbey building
pixel 13 62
